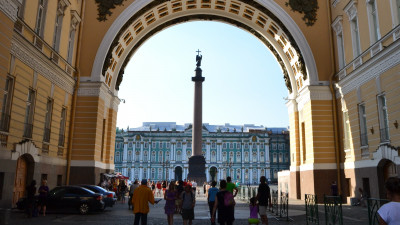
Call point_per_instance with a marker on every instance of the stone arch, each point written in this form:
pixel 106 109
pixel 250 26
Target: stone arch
pixel 143 18
pixel 385 169
pixel 23 176
pixel 178 171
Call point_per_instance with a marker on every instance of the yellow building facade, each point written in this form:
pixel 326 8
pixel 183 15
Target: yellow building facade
pixel 62 61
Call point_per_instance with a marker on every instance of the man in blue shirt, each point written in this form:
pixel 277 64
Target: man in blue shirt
pixel 212 192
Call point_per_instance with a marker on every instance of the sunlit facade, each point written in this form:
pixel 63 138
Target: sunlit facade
pixel 160 151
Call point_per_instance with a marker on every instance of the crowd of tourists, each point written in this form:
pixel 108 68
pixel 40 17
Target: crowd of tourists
pixel 180 197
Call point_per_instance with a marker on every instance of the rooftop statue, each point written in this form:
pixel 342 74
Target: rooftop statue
pixel 198 58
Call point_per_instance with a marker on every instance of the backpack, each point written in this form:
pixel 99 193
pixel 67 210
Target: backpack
pixel 228 199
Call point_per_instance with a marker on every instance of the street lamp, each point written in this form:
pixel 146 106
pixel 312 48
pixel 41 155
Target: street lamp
pixel 166 164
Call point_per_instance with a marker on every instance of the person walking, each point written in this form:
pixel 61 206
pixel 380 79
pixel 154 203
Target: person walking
pixel 31 191
pixel 188 203
pixel 212 192
pixel 178 201
pixel 194 186
pixel 253 219
pixel 231 187
pixel 264 198
pixel 141 197
pixel 225 211
pixel 170 197
pixel 389 212
pixel 43 191
pixel 122 190
pixel 131 190
pixel 158 188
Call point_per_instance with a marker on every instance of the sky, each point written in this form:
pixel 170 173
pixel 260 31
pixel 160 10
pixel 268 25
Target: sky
pixel 243 81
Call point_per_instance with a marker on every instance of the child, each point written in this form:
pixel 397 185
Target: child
pixel 253 219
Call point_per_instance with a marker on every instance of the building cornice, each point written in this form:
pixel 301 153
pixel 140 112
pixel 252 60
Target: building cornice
pixel 10 8
pixel 351 9
pixel 337 25
pixel 311 93
pixel 29 55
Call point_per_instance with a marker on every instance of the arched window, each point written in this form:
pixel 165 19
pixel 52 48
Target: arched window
pixel 213 145
pixel 167 145
pixel 275 174
pixel 280 157
pixel 238 146
pixel 224 173
pixel 160 144
pixel 137 144
pixel 153 144
pixel 255 178
pixel 262 172
pixel 159 173
pixel 203 145
pixel 178 156
pixel 231 157
pixel 231 145
pixel 204 153
pixel 274 158
pixel 238 157
pixel 160 156
pixel 213 156
pixel 130 145
pixel 286 157
pixel 179 144
pixel 238 174
pixel 262 146
pixel 153 156
pixel 262 157
pixel 137 156
pixel 145 156
pixel 146 145
pixel 153 173
pixel 224 145
pixel 224 156
pixel 254 146
pixel 188 154
pixel 246 156
pixel 144 173
pixel 246 175
pixel 136 173
pixel 254 156
pixel 129 156
pixel 167 156
pixel 246 146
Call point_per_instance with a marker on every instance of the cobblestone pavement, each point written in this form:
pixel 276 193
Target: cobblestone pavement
pixel 119 215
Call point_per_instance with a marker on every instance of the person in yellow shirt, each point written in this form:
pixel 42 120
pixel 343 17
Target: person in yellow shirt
pixel 141 196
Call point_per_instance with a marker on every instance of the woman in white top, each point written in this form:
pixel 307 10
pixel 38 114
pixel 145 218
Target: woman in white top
pixel 389 213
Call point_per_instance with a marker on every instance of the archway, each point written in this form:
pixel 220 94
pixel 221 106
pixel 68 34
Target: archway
pixel 213 173
pixel 23 176
pixel 178 173
pixel 386 168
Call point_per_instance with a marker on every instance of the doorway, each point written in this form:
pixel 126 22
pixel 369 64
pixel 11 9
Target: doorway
pixel 178 173
pixel 23 176
pixel 213 173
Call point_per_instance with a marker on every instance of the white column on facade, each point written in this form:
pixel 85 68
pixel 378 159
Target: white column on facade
pixel 220 173
pixel 258 174
pixel 267 153
pixel 251 152
pixel 242 147
pixel 268 174
pixel 125 153
pixel 184 156
pixel 207 174
pixel 185 172
pixel 133 151
pixel 141 151
pixel 208 153
pixel 148 171
pixel 258 153
pixel 171 148
pixel 251 175
pixel 149 153
pixel 141 173
pixel 243 175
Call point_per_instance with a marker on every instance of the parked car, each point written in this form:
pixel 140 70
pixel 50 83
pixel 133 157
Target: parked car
pixel 70 198
pixel 109 197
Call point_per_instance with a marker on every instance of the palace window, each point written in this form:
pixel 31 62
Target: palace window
pixel 145 158
pixel 129 156
pixel 262 146
pixel 41 17
pixel 383 118
pixel 224 159
pixel 286 157
pixel 246 157
pixel 275 174
pixel 167 156
pixel 117 159
pixel 231 145
pixel 58 24
pixel 274 146
pixel 262 173
pixel 6 108
pixel 144 173
pixel 159 173
pixel 153 173
pixel 255 178
pixel 254 146
pixel 160 156
pixel 280 157
pixel 63 119
pixel 137 157
pixel 224 145
pixel 231 157
pixel 213 145
pixel 246 174
pixel 203 144
pixel 146 145
pixel 153 156
pixel 254 156
pixel 238 174
pixel 179 144
pixel 363 125
pixel 71 38
pixel 274 157
pixel 262 158
pixel 280 147
pixel 238 145
pixel 137 144
pixel 153 145
pixel 167 145
pixel 178 156
pixel 351 10
pixel 188 154
pixel 213 156
pixel 189 144
pixel 246 146
pixel 136 173
pixel 130 144
pixel 238 157
pixel 30 106
pixel 373 21
pixel 160 144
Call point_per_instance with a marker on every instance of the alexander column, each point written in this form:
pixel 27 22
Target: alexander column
pixel 197 163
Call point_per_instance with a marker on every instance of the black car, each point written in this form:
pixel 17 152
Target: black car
pixel 109 197
pixel 70 198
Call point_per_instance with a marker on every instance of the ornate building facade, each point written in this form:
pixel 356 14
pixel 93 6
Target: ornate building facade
pixel 160 151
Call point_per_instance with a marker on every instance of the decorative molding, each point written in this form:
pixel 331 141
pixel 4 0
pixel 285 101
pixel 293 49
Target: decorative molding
pixel 383 61
pixel 92 163
pixel 318 166
pixel 351 9
pixel 29 55
pixel 335 2
pixel 308 7
pixel 10 8
pixel 97 89
pixel 75 19
pixel 104 8
pixel 310 93
pixel 383 152
pixel 337 25
pixel 291 104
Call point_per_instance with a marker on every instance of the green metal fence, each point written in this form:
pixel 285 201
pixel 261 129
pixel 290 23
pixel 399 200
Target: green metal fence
pixel 373 205
pixel 284 207
pixel 333 210
pixel 274 199
pixel 311 209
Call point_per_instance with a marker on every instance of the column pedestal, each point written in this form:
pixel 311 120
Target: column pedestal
pixel 197 167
